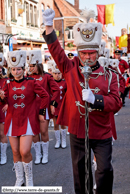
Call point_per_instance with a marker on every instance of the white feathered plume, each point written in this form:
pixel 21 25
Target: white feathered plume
pixel 87 14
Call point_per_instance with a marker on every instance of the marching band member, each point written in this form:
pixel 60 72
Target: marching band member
pixel 123 65
pixel 57 75
pixel 3 138
pixel 34 60
pixel 102 96
pixel 22 121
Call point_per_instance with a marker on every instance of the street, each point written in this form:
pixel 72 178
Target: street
pixel 58 171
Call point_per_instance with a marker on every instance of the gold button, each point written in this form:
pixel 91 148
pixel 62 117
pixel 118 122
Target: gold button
pixel 97 100
pixel 80 116
pixel 100 100
pixel 97 109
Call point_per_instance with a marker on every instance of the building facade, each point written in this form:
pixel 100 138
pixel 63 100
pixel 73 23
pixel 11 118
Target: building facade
pixel 22 19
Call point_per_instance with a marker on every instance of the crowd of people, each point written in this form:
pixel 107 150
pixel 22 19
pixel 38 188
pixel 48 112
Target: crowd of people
pixel 30 97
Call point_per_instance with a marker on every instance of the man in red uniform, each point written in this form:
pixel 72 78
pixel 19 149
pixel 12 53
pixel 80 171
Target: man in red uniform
pixel 123 65
pixel 101 100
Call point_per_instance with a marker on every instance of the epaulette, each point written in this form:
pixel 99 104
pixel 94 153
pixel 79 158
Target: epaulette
pixel 29 78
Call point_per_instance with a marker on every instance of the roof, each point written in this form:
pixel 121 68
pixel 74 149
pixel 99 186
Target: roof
pixel 65 8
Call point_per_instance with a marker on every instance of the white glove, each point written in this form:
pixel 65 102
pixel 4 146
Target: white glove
pixel 88 96
pixel 48 16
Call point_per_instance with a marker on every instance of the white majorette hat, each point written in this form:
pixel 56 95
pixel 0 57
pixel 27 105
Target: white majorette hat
pixel 50 64
pixel 16 58
pixel 55 68
pixel 87 36
pixel 107 52
pixel 102 47
pixel 103 61
pixel 1 59
pixel 34 57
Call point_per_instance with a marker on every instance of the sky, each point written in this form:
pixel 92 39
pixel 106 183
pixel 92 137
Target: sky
pixel 121 13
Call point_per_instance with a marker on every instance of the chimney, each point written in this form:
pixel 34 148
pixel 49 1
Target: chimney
pixel 76 5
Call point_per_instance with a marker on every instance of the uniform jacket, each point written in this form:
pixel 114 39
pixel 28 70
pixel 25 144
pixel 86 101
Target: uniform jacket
pixel 49 84
pixel 128 85
pixel 63 87
pixel 123 65
pixel 21 99
pixel 2 115
pixel 99 119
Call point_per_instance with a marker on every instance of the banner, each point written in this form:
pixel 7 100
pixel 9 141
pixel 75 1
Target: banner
pixel 101 13
pixel 106 14
pixel 128 45
pixel 123 41
pixel 117 41
pixel 109 14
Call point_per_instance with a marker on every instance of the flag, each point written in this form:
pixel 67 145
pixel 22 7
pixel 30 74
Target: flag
pixel 109 14
pixel 101 13
pixel 123 41
pixel 106 14
pixel 117 41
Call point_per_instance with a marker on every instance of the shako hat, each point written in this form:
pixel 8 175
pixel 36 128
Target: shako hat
pixel 55 68
pixel 103 61
pixel 1 59
pixel 16 58
pixel 87 36
pixel 34 57
pixel 107 53
pixel 50 64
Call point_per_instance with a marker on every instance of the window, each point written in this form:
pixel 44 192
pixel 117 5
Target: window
pixel 35 16
pixel 48 6
pixel 70 34
pixel 12 9
pixel 27 13
pixel 31 15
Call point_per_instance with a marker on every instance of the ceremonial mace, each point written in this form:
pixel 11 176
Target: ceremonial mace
pixel 86 71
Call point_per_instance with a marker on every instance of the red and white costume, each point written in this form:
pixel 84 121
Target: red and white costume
pixel 21 118
pixel 105 103
pixel 123 65
pixel 48 83
pixel 21 99
pixel 63 87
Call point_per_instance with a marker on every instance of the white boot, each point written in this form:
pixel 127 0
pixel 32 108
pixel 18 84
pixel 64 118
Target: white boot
pixel 28 173
pixel 45 146
pixel 37 147
pixel 19 174
pixel 63 137
pixel 3 153
pixel 57 135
